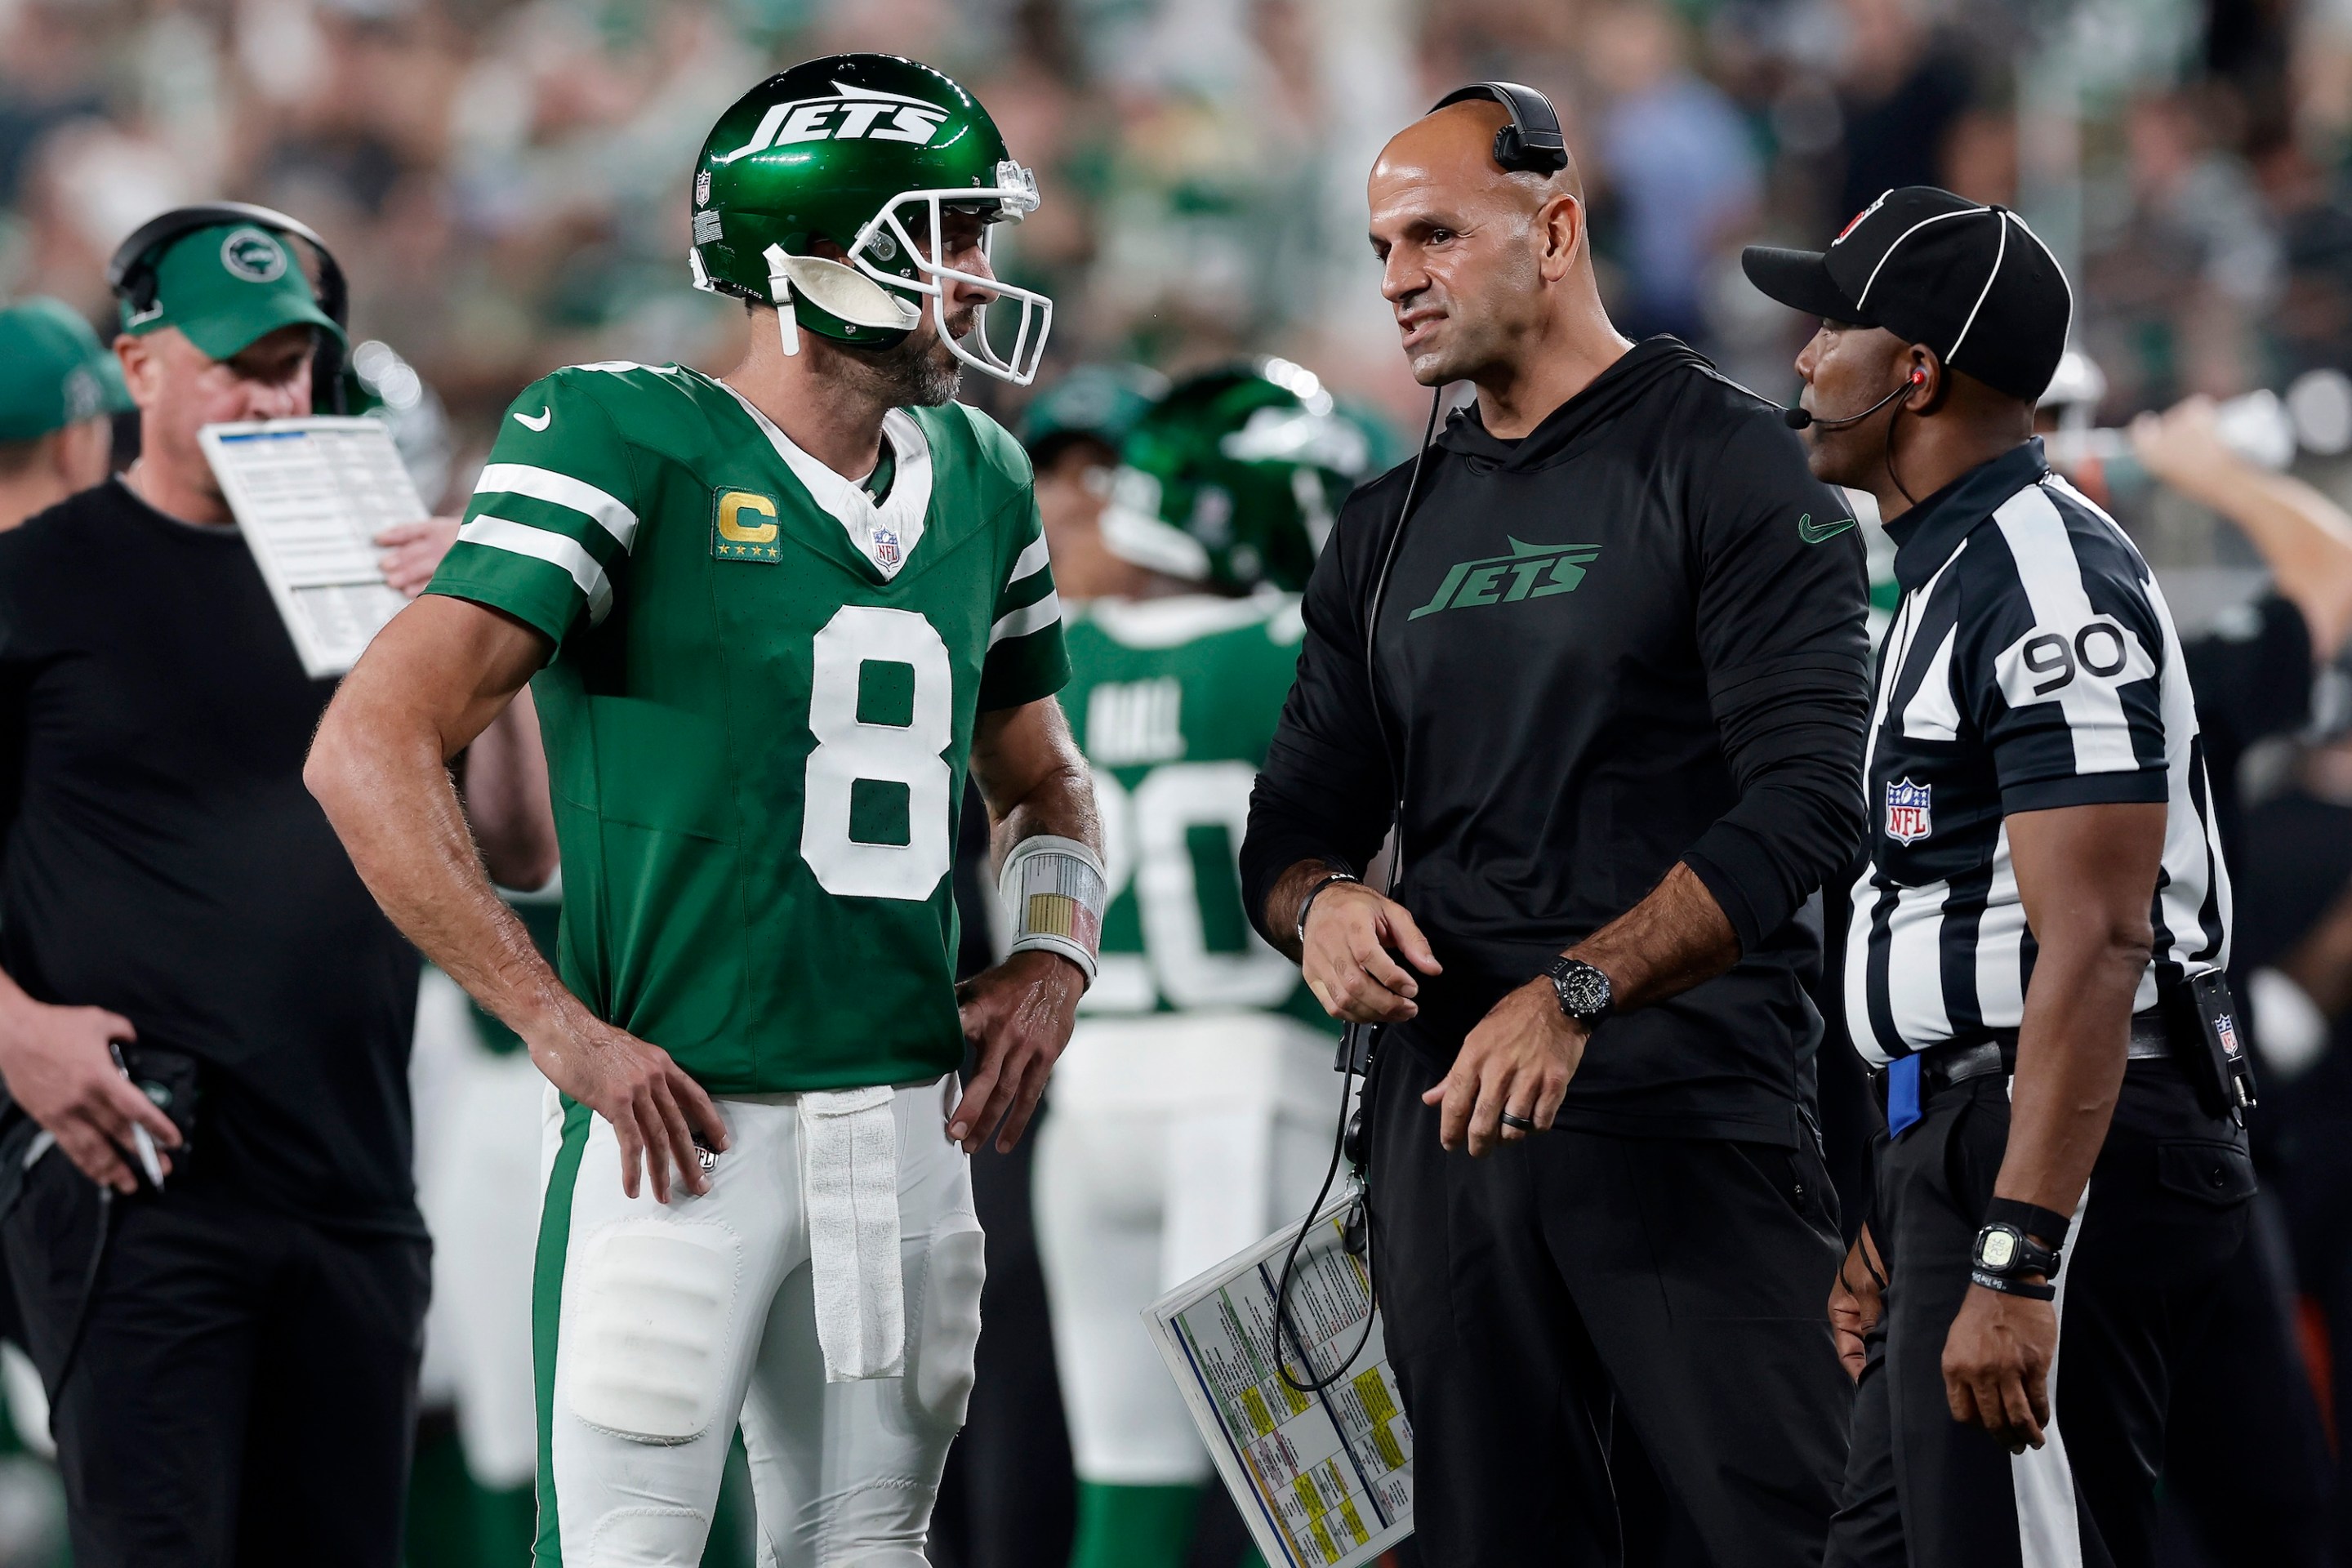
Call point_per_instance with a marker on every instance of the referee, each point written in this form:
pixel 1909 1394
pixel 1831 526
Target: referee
pixel 1612 667
pixel 2043 909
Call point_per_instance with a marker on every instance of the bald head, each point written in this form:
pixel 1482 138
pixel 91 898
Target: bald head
pixel 1455 146
pixel 1486 269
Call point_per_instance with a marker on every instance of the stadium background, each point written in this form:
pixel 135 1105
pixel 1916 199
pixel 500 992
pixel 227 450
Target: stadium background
pixel 506 185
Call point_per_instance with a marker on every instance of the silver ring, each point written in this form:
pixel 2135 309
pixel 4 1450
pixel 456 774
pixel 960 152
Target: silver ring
pixel 1521 1123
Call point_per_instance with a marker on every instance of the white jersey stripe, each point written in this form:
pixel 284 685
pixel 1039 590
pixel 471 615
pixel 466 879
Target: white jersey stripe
pixel 1915 932
pixel 1029 619
pixel 1030 561
pixel 2053 580
pixel 1930 715
pixel 561 490
pixel 545 544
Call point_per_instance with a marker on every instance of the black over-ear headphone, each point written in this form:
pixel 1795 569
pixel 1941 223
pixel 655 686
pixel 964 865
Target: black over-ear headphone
pixel 1531 144
pixel 131 275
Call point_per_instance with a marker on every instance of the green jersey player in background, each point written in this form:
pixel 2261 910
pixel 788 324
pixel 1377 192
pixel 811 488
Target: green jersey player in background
pixel 1191 1114
pixel 769 621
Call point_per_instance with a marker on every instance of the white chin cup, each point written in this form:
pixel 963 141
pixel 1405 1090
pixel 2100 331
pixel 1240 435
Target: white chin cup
pixel 1055 891
pixel 887 235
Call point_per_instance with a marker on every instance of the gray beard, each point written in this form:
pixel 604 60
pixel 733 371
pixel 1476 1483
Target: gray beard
pixel 918 372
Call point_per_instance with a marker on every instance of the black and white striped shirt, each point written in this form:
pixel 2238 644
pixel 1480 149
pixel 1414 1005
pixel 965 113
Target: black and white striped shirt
pixel 2032 663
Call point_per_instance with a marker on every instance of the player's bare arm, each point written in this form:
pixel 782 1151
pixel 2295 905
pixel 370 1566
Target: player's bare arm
pixel 431 682
pixel 1020 1012
pixel 1523 1053
pixel 2087 875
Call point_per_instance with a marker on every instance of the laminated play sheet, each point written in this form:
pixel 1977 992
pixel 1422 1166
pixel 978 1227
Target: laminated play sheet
pixel 1323 1480
pixel 309 496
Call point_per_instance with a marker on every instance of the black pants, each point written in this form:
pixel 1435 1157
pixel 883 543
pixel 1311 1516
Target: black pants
pixel 2163 1218
pixel 1612 1349
pixel 245 1386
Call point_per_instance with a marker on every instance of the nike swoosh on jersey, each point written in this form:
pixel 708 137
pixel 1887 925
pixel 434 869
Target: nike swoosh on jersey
pixel 1809 531
pixel 546 418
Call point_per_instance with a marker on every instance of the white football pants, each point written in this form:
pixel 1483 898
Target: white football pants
pixel 1173 1142
pixel 658 1327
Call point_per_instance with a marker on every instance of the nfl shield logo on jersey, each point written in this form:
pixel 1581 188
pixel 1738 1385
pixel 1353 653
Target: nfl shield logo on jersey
pixel 1908 819
pixel 886 546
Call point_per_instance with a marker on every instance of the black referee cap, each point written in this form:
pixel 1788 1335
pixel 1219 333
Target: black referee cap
pixel 1969 280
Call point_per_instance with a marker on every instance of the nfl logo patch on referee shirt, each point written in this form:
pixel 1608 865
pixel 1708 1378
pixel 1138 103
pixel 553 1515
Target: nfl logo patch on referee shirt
pixel 1909 816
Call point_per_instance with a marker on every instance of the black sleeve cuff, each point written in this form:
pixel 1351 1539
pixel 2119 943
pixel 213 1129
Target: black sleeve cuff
pixel 1727 863
pixel 2144 788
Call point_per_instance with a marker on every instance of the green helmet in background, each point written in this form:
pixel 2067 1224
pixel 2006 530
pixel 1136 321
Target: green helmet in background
pixel 1097 403
pixel 1235 479
pixel 864 151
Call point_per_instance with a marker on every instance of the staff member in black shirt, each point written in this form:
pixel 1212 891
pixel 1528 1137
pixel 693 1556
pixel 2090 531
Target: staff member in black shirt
pixel 2044 896
pixel 1612 667
pixel 230 1354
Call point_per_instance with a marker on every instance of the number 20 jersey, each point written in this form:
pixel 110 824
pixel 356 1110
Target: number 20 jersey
pixel 760 708
pixel 1174 701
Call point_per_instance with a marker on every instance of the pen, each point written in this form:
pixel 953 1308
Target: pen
pixel 140 1138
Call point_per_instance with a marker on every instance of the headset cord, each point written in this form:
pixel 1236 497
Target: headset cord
pixel 1363 1174
pixel 1352 1242
pixel 89 1285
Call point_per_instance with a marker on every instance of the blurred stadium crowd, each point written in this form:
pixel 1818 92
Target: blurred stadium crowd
pixel 505 181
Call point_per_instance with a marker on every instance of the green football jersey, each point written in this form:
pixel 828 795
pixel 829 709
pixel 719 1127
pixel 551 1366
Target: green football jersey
pixel 1174 703
pixel 760 708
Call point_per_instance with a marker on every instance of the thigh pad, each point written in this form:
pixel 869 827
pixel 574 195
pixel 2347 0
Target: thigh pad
pixel 646 1310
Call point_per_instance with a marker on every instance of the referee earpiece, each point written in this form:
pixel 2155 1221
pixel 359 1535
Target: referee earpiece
pixel 1917 376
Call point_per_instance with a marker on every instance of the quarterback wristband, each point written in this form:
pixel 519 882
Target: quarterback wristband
pixel 1054 892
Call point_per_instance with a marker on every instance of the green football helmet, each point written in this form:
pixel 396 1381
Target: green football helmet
pixel 865 151
pixel 1235 479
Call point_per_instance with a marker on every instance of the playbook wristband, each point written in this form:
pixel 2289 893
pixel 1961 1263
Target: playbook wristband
pixel 2032 1219
pixel 1054 893
pixel 1314 892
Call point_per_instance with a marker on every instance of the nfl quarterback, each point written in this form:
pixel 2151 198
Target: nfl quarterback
pixel 769 621
pixel 1191 1114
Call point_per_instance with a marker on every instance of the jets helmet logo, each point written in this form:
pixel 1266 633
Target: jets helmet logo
pixel 855 114
pixel 1909 816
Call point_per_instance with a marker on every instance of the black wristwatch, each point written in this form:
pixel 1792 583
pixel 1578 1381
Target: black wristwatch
pixel 2003 1253
pixel 1584 992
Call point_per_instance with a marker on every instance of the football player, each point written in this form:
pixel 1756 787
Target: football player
pixel 1192 1112
pixel 773 619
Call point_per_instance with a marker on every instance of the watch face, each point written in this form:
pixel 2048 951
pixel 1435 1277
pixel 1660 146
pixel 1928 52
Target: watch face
pixel 1997 1250
pixel 1584 990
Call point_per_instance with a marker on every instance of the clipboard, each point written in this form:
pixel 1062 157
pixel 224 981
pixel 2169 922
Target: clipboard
pixel 1322 1480
pixel 309 496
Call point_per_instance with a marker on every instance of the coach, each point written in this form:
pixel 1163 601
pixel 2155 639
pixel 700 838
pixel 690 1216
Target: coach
pixel 1607 679
pixel 228 1318
pixel 2036 944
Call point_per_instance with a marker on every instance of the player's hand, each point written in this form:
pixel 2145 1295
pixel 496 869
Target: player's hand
pixel 1347 960
pixel 412 551
pixel 1855 1301
pixel 2182 447
pixel 1020 1014
pixel 1997 1365
pixel 654 1108
pixel 1519 1059
pixel 58 1068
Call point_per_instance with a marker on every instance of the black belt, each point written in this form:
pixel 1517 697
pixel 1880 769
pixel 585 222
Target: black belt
pixel 1940 1066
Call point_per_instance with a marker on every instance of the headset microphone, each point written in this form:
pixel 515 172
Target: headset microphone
pixel 1798 418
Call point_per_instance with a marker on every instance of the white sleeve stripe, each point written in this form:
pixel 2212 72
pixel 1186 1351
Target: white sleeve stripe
pixel 1030 561
pixel 1020 623
pixel 563 490
pixel 2051 576
pixel 546 544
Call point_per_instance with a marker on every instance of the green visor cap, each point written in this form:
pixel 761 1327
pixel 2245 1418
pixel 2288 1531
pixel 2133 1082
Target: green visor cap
pixel 228 285
pixel 53 370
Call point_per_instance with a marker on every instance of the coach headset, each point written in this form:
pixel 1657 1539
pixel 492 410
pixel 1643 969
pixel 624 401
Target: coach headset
pixel 1531 144
pixel 131 275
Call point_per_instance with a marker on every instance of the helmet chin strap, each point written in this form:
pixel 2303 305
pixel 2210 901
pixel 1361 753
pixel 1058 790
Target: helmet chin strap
pixel 780 289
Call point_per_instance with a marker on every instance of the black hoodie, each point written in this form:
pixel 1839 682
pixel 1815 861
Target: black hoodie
pixel 1632 638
